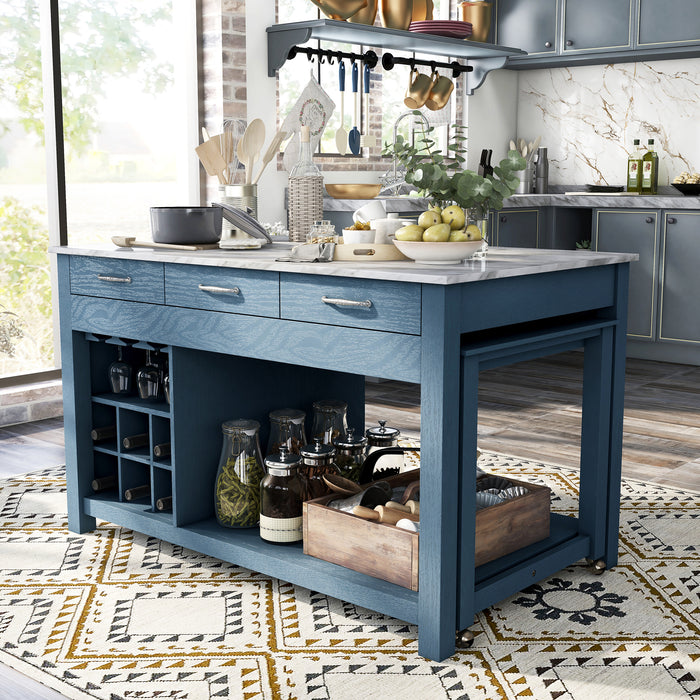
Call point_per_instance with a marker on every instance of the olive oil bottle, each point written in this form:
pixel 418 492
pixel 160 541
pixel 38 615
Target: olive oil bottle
pixel 634 169
pixel 650 170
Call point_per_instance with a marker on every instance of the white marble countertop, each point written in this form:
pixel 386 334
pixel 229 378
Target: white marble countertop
pixel 500 262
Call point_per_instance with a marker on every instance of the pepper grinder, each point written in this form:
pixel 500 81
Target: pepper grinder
pixel 541 172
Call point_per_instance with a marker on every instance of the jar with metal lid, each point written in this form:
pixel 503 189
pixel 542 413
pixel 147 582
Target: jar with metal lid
pixel 237 485
pixel 318 459
pixel 286 428
pixel 281 498
pixel 329 420
pixel 381 438
pixel 351 455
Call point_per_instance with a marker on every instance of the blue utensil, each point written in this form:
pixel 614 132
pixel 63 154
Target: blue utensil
pixel 341 135
pixel 354 137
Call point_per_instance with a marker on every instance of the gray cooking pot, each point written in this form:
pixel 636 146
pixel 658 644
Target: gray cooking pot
pixel 199 225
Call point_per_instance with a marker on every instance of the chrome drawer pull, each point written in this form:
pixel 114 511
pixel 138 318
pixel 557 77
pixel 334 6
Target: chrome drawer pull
pixel 346 302
pixel 219 290
pixel 109 278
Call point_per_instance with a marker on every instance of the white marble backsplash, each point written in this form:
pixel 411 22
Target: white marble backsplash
pixel 588 117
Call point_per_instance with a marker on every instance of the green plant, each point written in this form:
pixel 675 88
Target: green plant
pixel 443 178
pixel 584 244
pixel 10 330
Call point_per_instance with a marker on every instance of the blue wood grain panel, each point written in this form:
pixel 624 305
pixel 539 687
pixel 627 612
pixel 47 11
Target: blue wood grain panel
pixel 258 290
pixel 396 306
pixel 354 350
pixel 146 279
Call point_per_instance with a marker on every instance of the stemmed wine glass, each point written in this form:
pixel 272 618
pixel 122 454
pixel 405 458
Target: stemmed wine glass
pixel 149 380
pixel 120 374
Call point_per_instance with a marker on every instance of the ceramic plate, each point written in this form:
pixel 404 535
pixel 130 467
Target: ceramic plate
pixel 458 30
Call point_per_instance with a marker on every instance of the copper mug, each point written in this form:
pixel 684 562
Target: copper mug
pixel 439 93
pixel 419 87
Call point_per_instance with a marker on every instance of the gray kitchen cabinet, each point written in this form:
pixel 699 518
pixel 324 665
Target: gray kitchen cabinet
pixel 603 25
pixel 633 231
pixel 531 25
pixel 668 23
pixel 679 279
pixel 517 228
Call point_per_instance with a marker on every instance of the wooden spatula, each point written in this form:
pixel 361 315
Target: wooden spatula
pixel 210 156
pixel 271 152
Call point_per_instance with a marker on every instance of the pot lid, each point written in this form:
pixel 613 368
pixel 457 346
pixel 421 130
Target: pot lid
pixel 241 425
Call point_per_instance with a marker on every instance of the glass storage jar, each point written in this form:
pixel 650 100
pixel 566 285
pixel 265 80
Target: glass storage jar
pixel 351 453
pixel 317 461
pixel 281 498
pixel 329 420
pixel 286 428
pixel 237 485
pixel 379 438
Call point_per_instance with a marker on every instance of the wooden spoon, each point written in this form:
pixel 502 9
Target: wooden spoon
pixel 250 145
pixel 340 484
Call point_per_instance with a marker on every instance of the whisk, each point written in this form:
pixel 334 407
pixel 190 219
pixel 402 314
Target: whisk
pixel 230 136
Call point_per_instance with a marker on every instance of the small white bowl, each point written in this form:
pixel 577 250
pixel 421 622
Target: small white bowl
pixel 438 253
pixel 351 235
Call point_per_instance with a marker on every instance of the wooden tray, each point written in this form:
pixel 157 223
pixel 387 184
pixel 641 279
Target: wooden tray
pixel 391 554
pixel 367 252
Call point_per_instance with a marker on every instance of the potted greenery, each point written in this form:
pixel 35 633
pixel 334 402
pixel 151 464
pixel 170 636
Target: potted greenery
pixel 444 180
pixel 10 331
pixel 584 244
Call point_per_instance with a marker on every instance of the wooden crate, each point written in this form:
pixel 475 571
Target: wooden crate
pixel 391 554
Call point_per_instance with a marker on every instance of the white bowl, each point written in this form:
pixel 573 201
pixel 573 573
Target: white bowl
pixel 358 236
pixel 438 253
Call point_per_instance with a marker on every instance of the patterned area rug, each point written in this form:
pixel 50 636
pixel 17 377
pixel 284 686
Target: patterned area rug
pixel 116 615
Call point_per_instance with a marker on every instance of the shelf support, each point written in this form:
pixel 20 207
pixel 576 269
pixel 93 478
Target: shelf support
pixel 278 47
pixel 481 68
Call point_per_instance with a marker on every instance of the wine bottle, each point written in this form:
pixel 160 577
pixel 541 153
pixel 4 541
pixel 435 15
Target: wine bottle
pixel 104 483
pixel 634 169
pixel 650 170
pixel 162 450
pixel 165 503
pixel 137 492
pixel 103 433
pixel 133 441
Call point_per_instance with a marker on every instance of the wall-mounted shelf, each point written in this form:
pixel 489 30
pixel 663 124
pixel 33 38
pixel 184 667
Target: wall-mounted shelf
pixel 481 57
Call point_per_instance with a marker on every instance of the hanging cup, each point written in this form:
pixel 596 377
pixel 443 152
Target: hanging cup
pixel 419 87
pixel 440 92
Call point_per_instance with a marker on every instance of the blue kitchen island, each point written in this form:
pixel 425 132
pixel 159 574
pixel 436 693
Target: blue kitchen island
pixel 244 334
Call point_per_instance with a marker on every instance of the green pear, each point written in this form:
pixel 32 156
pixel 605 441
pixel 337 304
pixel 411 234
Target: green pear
pixel 429 218
pixel 473 233
pixel 460 235
pixel 454 216
pixel 439 233
pixel 410 233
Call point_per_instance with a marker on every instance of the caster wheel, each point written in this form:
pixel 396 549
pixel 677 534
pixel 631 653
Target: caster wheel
pixel 598 567
pixel 464 639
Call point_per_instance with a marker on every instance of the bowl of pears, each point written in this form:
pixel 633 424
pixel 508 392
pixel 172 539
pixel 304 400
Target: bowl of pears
pixel 440 237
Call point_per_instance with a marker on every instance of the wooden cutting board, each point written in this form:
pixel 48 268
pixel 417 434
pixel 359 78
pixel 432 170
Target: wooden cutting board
pixel 367 252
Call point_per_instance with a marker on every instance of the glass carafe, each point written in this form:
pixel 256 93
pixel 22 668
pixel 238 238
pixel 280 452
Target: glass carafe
pixel 149 380
pixel 120 374
pixel 329 421
pixel 352 450
pixel 237 485
pixel 286 428
pixel 281 499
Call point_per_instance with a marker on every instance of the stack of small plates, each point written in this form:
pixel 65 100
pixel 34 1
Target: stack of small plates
pixel 451 28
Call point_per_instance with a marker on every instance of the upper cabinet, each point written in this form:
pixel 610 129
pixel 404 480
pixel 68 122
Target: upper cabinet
pixel 571 32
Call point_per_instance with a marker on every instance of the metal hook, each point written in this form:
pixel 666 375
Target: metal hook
pixel 413 64
pixel 329 57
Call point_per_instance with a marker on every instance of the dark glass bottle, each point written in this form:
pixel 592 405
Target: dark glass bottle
pixel 650 170
pixel 281 499
pixel 318 460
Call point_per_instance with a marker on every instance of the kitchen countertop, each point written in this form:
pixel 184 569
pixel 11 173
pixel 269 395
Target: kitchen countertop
pixel 500 262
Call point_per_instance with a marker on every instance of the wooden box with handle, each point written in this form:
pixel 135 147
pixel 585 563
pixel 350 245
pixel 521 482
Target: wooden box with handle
pixel 391 553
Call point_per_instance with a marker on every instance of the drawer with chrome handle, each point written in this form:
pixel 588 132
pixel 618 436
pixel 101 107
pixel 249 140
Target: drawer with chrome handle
pixel 132 280
pixel 357 303
pixel 253 292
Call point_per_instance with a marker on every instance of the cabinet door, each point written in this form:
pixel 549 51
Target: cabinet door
pixel 530 25
pixel 669 23
pixel 597 24
pixel 517 228
pixel 680 283
pixel 620 231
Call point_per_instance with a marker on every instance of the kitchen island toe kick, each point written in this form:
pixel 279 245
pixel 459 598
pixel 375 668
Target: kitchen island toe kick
pixel 270 340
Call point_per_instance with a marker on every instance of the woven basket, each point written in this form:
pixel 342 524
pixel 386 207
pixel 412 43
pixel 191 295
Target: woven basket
pixel 305 205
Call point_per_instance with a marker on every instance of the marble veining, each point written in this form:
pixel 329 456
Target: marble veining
pixel 588 117
pixel 499 263
pixel 602 201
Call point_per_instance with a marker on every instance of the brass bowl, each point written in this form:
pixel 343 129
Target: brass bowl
pixel 353 191
pixel 339 9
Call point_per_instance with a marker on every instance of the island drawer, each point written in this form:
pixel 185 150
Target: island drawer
pixel 357 303
pixel 132 280
pixel 253 292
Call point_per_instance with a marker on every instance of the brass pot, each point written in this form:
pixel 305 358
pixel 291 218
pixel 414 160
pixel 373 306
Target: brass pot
pixel 339 9
pixel 479 15
pixel 366 15
pixel 396 14
pixel 422 10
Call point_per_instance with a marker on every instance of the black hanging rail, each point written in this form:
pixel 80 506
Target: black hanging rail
pixel 369 58
pixel 389 61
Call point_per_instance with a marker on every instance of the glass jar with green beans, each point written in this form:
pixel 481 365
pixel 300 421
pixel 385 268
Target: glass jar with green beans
pixel 237 486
